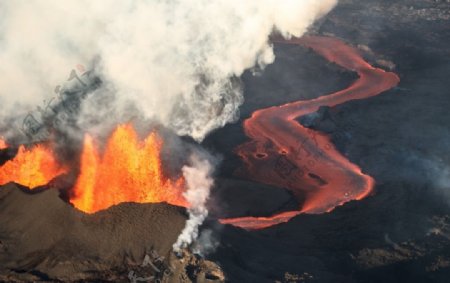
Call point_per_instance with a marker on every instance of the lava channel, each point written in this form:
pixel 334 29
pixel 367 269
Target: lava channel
pixel 286 154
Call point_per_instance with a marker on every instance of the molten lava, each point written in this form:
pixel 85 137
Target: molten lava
pixel 286 154
pixel 32 167
pixel 129 170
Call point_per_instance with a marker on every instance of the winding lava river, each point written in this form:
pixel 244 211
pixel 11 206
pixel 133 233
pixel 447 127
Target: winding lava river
pixel 286 154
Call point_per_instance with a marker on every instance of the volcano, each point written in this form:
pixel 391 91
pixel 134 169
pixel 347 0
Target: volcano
pixel 335 170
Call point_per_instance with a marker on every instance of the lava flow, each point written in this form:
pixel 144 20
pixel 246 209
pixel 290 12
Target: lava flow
pixel 129 170
pixel 286 154
pixel 31 167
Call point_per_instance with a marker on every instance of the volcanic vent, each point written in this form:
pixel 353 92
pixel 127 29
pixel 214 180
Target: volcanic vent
pixel 128 170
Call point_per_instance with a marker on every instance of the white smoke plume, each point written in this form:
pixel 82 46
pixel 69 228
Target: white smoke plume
pixel 177 61
pixel 199 183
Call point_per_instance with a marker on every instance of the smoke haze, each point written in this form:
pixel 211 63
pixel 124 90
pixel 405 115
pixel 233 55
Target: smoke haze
pixel 176 62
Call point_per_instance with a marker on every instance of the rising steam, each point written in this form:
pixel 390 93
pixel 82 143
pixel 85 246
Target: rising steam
pixel 199 183
pixel 177 62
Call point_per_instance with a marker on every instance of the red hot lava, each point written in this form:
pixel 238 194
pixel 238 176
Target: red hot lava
pixel 31 167
pixel 286 154
pixel 128 170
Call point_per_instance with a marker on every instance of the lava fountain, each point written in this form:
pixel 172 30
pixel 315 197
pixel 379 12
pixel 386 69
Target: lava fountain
pixel 31 167
pixel 129 170
pixel 286 154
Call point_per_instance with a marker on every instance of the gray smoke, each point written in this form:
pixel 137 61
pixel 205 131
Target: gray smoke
pixel 206 243
pixel 176 62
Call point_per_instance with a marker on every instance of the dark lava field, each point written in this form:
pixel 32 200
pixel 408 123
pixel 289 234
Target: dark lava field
pixel 401 138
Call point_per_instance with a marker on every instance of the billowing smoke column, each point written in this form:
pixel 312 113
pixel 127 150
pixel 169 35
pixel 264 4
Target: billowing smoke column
pixel 177 63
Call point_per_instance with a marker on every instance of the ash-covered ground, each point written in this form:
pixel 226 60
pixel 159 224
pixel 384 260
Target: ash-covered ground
pixel 401 138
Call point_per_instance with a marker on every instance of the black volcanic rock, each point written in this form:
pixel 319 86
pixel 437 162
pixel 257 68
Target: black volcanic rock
pixel 237 198
pixel 321 119
pixel 401 233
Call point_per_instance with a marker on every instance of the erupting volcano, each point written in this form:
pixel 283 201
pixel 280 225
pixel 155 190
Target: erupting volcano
pixel 282 153
pixel 286 154
pixel 129 170
pixel 225 141
pixel 31 167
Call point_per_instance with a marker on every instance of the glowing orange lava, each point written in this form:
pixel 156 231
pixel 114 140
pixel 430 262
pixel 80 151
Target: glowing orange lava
pixel 286 154
pixel 129 170
pixel 32 167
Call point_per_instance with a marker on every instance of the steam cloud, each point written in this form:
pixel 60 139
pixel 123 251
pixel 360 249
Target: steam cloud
pixel 177 62
pixel 199 183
